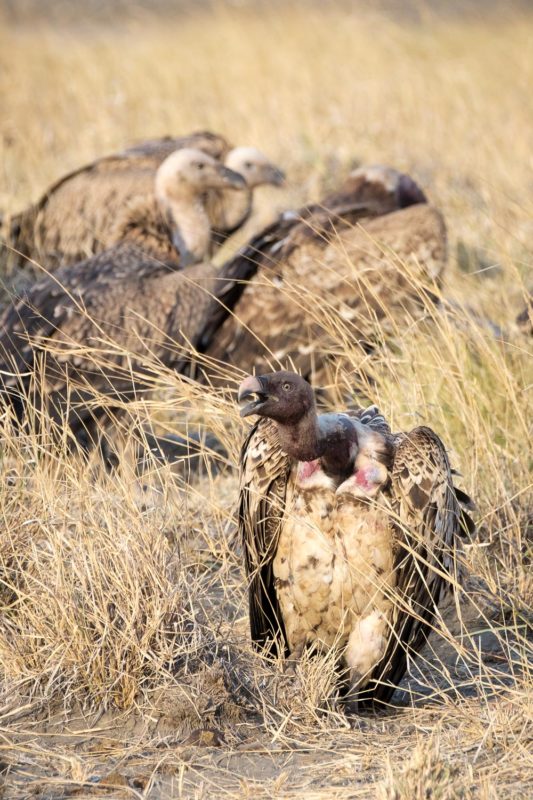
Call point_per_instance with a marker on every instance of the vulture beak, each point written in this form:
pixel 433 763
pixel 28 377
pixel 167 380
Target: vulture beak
pixel 274 176
pixel 249 387
pixel 232 179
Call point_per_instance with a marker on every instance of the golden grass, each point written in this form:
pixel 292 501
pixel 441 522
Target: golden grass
pixel 126 667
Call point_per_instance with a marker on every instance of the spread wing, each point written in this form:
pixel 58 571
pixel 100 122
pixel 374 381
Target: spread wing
pixel 429 520
pixel 263 483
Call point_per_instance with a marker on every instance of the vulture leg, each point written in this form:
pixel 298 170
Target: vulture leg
pixel 293 658
pixel 365 649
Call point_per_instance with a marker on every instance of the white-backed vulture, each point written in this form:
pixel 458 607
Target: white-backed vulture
pixel 74 219
pixel 128 302
pixel 350 533
pixel 345 256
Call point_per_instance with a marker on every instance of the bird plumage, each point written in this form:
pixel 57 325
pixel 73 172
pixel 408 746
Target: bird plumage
pixel 75 217
pixel 91 328
pixel 358 563
pixel 265 311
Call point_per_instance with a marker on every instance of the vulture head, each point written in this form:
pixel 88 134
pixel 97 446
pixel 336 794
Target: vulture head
pixel 181 184
pixel 193 172
pixel 351 453
pixel 384 186
pixel 255 167
pixel 282 396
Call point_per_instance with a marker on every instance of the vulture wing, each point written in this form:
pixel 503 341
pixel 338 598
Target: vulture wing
pixel 269 249
pixel 265 310
pixel 429 519
pixel 121 296
pixel 265 470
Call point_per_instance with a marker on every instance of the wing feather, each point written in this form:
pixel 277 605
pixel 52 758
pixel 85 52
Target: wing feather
pixel 265 471
pixel 272 247
pixel 428 520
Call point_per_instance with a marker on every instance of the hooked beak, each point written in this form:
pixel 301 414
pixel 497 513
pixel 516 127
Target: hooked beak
pixel 274 176
pixel 232 179
pixel 249 387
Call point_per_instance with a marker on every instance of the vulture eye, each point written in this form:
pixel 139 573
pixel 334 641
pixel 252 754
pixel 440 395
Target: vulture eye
pixel 248 165
pixel 199 165
pixel 286 387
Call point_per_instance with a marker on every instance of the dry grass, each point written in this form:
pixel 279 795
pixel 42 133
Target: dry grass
pixel 125 661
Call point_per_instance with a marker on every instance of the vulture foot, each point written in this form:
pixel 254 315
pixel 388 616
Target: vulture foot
pixel 289 668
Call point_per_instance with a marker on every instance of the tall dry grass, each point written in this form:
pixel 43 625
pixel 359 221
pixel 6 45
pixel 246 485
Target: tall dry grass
pixel 124 649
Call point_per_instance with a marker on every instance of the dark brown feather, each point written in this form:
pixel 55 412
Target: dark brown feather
pixel 264 472
pixel 429 521
pixel 260 317
pixel 130 297
pixel 426 520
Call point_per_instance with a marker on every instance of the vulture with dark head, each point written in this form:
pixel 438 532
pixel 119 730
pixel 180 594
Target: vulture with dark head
pixel 131 303
pixel 368 251
pixel 350 533
pixel 75 218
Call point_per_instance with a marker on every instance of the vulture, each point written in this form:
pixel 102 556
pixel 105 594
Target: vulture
pixel 367 251
pixel 229 211
pixel 134 298
pixel 74 219
pixel 350 533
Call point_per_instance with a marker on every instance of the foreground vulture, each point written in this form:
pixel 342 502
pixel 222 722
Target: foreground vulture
pixel 350 533
pixel 130 303
pixel 368 251
pixel 75 218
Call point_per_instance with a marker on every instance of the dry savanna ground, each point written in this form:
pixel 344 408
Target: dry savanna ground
pixel 124 654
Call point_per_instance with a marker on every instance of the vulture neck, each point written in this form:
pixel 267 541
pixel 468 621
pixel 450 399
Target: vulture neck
pixel 301 440
pixel 229 208
pixel 189 225
pixel 235 208
pixel 331 438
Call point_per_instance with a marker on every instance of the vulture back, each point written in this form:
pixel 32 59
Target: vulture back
pixel 265 312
